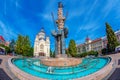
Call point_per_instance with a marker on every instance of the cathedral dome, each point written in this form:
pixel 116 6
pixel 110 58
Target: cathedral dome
pixel 42 30
pixel 41 34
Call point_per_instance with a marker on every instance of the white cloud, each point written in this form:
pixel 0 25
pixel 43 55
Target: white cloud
pixel 80 41
pixel 82 9
pixel 46 16
pixel 50 7
pixel 91 26
pixel 7 32
pixel 109 6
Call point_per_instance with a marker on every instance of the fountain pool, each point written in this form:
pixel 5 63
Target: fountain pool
pixel 35 68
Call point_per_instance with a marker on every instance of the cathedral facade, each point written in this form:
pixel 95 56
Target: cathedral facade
pixel 42 44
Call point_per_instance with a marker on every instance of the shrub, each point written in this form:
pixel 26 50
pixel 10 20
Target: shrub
pixel 104 51
pixel 95 53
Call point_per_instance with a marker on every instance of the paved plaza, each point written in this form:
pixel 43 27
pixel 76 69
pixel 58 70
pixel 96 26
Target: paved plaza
pixel 6 74
pixel 116 73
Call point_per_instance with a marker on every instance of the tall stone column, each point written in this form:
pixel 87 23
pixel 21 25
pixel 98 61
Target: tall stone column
pixel 61 19
pixel 60 34
pixel 60 22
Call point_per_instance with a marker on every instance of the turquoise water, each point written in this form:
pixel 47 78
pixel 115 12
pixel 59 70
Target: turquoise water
pixel 88 66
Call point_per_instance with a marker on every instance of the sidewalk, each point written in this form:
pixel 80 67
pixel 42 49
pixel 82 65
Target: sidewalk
pixel 116 73
pixel 5 73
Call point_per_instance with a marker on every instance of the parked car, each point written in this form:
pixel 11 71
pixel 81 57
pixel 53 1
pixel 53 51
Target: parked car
pixel 2 53
pixel 117 49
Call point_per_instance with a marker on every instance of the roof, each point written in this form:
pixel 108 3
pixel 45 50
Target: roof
pixel 96 40
pixel 87 38
pixel 42 30
pixel 117 32
pixel 1 38
pixel 80 45
pixel 93 41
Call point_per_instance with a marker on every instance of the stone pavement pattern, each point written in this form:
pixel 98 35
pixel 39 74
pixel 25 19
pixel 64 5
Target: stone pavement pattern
pixel 5 73
pixel 116 73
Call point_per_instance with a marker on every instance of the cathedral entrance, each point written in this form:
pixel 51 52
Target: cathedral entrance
pixel 41 54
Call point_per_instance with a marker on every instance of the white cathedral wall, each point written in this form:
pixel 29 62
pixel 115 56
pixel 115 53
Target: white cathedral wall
pixel 36 49
pixel 46 49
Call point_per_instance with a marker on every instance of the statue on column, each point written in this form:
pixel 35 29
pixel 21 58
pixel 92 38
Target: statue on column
pixel 61 33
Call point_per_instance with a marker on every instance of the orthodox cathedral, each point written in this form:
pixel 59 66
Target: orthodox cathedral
pixel 42 44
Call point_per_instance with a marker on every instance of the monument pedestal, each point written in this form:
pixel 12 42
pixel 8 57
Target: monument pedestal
pixel 61 62
pixel 61 56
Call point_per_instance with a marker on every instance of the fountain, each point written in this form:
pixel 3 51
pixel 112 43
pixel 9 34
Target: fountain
pixel 60 34
pixel 50 70
pixel 61 67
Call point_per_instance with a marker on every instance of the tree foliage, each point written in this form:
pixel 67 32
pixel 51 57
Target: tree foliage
pixel 66 51
pixel 23 46
pixel 12 45
pixel 104 51
pixel 52 53
pixel 112 40
pixel 7 49
pixel 72 50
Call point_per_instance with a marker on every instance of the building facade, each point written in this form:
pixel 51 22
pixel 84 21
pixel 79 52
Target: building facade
pixel 42 44
pixel 95 45
pixel 89 45
pixel 104 39
pixel 2 40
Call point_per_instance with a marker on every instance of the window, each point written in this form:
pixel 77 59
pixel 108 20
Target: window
pixel 36 48
pixel 41 47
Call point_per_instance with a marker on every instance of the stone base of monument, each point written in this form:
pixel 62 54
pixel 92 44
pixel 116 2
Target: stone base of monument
pixel 61 62
pixel 61 56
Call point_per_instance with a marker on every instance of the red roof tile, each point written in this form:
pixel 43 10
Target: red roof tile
pixel 1 38
pixel 96 40
pixel 87 38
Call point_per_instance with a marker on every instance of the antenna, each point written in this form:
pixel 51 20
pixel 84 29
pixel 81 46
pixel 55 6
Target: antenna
pixel 53 20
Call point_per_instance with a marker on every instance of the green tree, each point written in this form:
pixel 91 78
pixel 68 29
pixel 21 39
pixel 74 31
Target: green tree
pixel 104 50
pixel 112 40
pixel 72 48
pixel 30 52
pixel 51 53
pixel 7 49
pixel 12 45
pixel 26 45
pixel 19 45
pixel 23 46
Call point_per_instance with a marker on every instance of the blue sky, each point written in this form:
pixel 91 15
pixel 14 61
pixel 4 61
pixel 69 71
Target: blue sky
pixel 86 17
